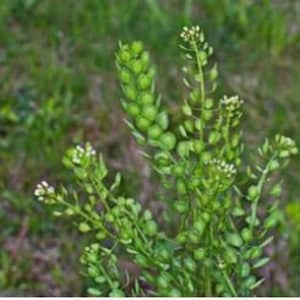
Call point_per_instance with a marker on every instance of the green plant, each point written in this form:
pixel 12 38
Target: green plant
pixel 216 244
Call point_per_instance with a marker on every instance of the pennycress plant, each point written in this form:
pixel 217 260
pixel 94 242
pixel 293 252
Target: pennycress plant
pixel 219 234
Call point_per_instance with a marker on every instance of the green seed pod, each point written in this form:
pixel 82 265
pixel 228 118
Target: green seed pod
pixel 209 103
pixel 151 228
pixel 162 120
pixel 214 137
pixel 94 292
pixel 255 252
pixel 147 215
pixel 133 109
pixel 198 124
pixel 190 264
pixel 247 235
pixel 154 132
pixel 245 270
pixel 149 112
pixel 142 123
pixel 195 182
pixel 198 146
pixel 181 237
pixel 116 293
pixel 84 227
pixel 199 253
pixel 238 212
pixel 206 157
pixel 141 260
pixel 162 159
pixel 129 92
pixel 147 98
pixel 163 281
pixel 168 141
pixel 93 271
pixel 194 237
pixel 181 206
pixel 199 225
pixel 181 187
pixel 207 115
pixel 124 56
pixel 183 148
pixel 230 256
pixel 101 235
pixel 137 47
pixel 144 82
pixel 271 221
pixel 234 239
pixel 145 59
pixel 174 293
pixel 186 109
pixel 136 67
pixel 253 192
pixel 178 170
pixel 249 281
pixel 261 262
pixel 189 125
pixel 125 76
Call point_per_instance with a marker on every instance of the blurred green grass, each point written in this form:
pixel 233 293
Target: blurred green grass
pixel 58 87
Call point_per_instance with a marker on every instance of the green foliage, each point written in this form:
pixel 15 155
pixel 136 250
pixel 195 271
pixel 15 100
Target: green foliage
pixel 219 237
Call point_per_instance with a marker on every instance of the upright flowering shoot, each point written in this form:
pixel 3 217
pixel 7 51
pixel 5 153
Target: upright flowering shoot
pixel 217 242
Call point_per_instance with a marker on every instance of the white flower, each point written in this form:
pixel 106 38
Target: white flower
pixel 192 34
pixel 43 190
pixel 232 103
pixel 80 153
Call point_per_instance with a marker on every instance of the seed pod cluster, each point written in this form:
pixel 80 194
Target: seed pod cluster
pixel 137 78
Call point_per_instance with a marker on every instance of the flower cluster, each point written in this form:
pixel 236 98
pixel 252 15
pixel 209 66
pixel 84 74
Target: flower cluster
pixel 232 103
pixel 82 153
pixel 44 192
pixel 228 170
pixel 191 34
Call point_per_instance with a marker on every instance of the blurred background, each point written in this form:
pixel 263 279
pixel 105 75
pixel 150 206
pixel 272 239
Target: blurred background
pixel 58 87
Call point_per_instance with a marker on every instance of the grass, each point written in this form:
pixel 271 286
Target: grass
pixel 58 87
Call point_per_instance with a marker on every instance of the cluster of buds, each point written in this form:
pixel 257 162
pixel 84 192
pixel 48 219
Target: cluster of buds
pixel 228 170
pixel 79 153
pixel 44 192
pixel 286 145
pixel 192 34
pixel 232 103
